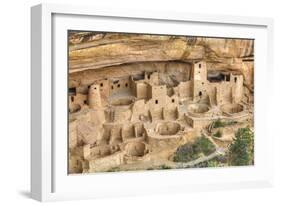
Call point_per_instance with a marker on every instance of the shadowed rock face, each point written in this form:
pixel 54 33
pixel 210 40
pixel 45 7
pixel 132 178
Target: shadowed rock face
pixel 90 50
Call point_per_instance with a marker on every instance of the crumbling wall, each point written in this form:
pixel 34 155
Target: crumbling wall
pixel 185 89
pixel 128 131
pixel 139 110
pixel 198 123
pixel 97 117
pixel 213 94
pixel 77 102
pixel 115 135
pixel 75 165
pixel 88 133
pixel 100 151
pixel 72 134
pixel 122 114
pixel 106 163
pixel 139 129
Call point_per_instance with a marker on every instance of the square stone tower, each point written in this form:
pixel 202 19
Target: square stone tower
pixel 199 80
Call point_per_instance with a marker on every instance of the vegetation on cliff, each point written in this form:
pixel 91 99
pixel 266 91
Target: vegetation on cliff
pixel 189 152
pixel 241 150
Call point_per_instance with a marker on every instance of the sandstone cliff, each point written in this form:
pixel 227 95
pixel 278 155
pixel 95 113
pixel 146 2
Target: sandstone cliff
pixel 89 50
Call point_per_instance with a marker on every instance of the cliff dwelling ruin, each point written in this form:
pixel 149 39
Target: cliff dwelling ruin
pixel 136 100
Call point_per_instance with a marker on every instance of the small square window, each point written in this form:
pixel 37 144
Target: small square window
pixel 156 101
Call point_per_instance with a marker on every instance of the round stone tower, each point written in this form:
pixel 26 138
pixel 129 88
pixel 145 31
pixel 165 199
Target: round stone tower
pixel 94 97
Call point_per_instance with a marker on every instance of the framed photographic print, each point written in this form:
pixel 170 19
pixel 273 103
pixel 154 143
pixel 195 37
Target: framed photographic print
pixel 135 102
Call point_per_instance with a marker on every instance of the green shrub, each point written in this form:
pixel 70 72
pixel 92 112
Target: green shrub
pixel 185 153
pixel 218 134
pixel 165 167
pixel 241 150
pixel 205 145
pixel 219 123
pixel 189 152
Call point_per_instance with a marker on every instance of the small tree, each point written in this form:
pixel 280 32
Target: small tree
pixel 241 150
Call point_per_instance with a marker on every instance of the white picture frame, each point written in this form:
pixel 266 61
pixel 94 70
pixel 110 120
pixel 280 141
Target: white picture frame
pixel 49 181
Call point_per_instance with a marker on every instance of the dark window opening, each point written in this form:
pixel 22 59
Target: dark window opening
pixel 85 101
pixel 156 101
pixel 199 65
pixel 227 77
pixel 112 87
pixel 173 100
pixel 126 85
pixel 218 76
pixel 72 91
pixel 235 79
pixel 118 85
pixel 72 99
pixel 101 84
pixel 95 88
pixel 89 86
pixel 200 93
pixel 138 77
pixel 115 81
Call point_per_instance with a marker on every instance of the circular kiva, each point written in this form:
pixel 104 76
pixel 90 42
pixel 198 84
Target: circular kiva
pixel 231 109
pixel 167 128
pixel 136 149
pixel 121 102
pixel 198 108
